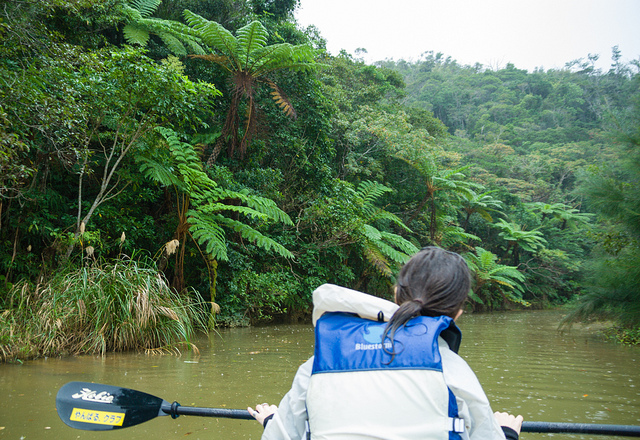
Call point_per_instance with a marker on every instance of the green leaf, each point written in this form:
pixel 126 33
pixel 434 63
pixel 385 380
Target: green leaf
pixel 213 34
pixel 135 35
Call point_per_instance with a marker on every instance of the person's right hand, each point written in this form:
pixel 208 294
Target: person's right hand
pixel 508 420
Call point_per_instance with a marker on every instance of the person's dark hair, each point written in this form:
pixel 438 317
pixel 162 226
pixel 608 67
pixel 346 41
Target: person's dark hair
pixel 434 282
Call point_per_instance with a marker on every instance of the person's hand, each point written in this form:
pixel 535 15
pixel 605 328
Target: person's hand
pixel 506 419
pixel 262 412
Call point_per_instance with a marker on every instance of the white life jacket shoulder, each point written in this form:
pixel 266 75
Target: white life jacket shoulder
pixel 332 298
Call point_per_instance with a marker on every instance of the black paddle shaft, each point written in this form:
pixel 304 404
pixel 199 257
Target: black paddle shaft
pixel 582 428
pixel 177 410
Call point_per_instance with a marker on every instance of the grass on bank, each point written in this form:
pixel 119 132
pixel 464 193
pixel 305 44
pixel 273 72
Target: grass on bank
pixel 120 306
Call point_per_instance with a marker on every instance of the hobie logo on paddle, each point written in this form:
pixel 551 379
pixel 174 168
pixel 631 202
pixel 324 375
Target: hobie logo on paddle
pixel 93 396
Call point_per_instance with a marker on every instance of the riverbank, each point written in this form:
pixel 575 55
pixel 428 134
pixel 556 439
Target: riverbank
pixel 119 307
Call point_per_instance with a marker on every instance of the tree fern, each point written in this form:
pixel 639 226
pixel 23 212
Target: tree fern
pixel 249 60
pixel 494 282
pixel 205 204
pixel 382 248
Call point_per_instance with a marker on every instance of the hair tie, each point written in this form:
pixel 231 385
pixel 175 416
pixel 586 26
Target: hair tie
pixel 419 301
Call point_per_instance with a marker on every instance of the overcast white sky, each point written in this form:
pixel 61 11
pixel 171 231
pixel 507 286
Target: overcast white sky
pixel 527 33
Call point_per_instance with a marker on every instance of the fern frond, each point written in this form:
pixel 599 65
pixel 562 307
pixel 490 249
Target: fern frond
pixel 282 100
pixel 393 254
pixel 212 34
pixel 211 208
pixel 182 151
pixel 221 60
pixel 251 38
pixel 373 255
pixel 485 258
pixel 456 234
pixel 273 57
pixel 135 35
pixel 195 47
pixel 172 43
pixel 145 7
pixel 380 214
pixel 400 242
pixel 371 191
pixel 371 233
pixel 260 204
pixel 254 236
pixel 208 234
pixel 159 172
pixel 474 297
pixel 278 56
pixel 510 272
pixel 502 282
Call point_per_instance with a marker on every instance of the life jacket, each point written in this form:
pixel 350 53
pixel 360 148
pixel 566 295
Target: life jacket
pixel 361 388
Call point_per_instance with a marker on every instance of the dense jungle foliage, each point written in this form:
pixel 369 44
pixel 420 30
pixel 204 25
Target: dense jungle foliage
pixel 164 163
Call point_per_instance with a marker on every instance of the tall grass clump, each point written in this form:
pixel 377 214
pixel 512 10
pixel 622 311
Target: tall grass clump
pixel 120 306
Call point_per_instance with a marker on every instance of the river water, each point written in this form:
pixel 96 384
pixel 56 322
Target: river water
pixel 525 365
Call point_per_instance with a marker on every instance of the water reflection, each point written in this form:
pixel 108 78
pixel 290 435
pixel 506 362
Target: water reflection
pixel 525 365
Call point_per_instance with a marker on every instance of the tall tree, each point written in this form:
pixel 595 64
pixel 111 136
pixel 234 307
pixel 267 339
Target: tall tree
pixel 249 61
pixel 614 192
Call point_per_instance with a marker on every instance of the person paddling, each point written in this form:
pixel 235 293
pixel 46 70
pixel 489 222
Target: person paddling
pixel 384 370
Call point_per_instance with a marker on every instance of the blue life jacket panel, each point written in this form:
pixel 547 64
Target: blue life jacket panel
pixel 360 388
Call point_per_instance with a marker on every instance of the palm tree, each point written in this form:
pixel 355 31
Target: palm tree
pixel 249 61
pixel 491 277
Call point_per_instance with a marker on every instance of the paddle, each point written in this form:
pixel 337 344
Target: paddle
pixel 96 407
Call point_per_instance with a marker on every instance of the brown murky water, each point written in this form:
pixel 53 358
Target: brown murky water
pixel 524 364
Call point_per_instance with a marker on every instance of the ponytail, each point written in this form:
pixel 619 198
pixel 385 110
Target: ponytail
pixel 434 282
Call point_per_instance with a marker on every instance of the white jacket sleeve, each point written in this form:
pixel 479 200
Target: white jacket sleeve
pixel 290 421
pixel 473 404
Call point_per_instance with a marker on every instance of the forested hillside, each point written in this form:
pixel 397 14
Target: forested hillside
pixel 216 151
